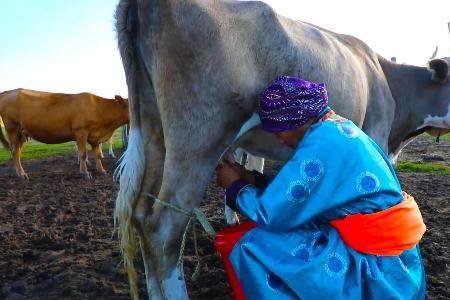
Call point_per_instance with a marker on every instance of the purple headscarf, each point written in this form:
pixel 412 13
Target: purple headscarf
pixel 289 102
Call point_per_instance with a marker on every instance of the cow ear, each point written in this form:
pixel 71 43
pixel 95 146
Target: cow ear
pixel 118 97
pixel 439 68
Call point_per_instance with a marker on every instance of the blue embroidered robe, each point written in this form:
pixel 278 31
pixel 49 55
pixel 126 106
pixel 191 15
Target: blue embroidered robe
pixel 294 253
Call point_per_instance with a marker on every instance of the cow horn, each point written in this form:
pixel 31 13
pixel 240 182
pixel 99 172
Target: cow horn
pixel 434 53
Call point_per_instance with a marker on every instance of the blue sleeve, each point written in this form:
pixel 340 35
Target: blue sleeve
pixel 327 170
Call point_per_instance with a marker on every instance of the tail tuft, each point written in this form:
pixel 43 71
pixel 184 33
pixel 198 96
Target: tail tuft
pixel 130 172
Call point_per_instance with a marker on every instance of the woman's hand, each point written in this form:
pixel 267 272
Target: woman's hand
pixel 239 170
pixel 226 174
pixel 242 171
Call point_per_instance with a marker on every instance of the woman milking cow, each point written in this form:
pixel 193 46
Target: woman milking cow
pixel 334 223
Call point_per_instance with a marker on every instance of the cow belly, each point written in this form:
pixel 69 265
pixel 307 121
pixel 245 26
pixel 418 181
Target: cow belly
pixel 97 136
pixel 50 135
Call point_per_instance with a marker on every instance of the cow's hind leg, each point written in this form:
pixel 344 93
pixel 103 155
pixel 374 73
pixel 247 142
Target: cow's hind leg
pixel 140 172
pixel 184 183
pixel 101 151
pixel 110 148
pixel 187 170
pixel 98 158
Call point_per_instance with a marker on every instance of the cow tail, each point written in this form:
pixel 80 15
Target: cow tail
pixel 3 140
pixel 131 165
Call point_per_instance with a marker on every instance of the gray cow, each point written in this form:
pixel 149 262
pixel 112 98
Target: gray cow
pixel 195 70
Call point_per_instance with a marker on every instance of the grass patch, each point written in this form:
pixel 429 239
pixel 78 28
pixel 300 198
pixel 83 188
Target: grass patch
pixel 410 167
pixel 34 149
pixel 441 138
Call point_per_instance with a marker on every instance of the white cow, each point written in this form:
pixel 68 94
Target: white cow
pixel 195 70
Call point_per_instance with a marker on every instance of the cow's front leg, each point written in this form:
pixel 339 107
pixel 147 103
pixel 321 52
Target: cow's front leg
pixel 18 161
pixel 98 158
pixel 16 140
pixel 81 139
pixel 17 153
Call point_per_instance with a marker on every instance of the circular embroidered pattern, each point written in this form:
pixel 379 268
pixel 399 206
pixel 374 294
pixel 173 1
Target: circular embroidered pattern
pixel 302 253
pixel 297 191
pixel 336 266
pixel 348 130
pixel 367 183
pixel 312 170
pixel 274 282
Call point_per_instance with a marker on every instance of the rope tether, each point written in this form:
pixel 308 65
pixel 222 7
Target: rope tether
pixel 194 214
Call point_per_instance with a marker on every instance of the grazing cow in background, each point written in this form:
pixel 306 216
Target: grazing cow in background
pixel 195 70
pixel 53 118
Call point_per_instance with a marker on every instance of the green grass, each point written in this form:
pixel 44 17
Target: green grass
pixel 442 137
pixel 411 167
pixel 34 149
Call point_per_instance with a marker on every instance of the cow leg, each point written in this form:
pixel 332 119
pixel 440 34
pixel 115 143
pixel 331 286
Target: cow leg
pixel 16 140
pixel 143 208
pixel 110 148
pixel 98 158
pixel 186 175
pixel 141 172
pixel 101 151
pixel 78 157
pixel 18 162
pixel 81 139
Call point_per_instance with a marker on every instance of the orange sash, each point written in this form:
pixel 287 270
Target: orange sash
pixel 386 233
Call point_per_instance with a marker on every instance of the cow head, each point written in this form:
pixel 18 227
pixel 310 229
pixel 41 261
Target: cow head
pixel 122 103
pixel 439 123
pixel 121 100
pixel 422 97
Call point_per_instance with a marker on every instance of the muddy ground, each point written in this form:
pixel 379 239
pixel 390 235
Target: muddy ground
pixel 56 229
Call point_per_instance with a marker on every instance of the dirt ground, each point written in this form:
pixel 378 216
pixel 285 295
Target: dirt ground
pixel 56 232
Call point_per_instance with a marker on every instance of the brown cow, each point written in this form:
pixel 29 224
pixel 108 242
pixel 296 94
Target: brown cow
pixel 57 118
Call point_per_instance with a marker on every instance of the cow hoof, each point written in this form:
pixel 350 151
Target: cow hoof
pixel 87 175
pixel 23 176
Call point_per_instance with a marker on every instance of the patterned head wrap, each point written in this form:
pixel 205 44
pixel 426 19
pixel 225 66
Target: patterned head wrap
pixel 289 102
